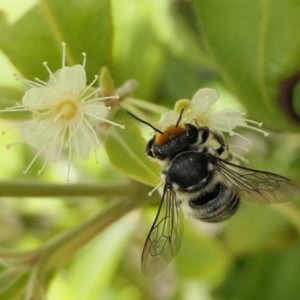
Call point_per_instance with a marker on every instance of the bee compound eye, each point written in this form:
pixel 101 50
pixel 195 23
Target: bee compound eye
pixel 204 134
pixel 149 147
pixel 191 133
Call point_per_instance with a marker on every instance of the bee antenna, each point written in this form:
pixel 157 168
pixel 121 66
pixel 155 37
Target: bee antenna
pixel 144 122
pixel 180 117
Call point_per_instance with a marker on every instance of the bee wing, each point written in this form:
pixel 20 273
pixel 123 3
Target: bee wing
pixel 258 186
pixel 165 236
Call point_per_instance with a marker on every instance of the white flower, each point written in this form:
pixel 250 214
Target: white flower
pixel 64 113
pixel 198 110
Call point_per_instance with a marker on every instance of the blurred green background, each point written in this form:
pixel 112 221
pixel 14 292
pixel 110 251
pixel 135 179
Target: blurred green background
pixel 248 50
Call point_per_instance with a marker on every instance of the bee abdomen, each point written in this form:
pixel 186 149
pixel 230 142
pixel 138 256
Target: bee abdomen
pixel 216 205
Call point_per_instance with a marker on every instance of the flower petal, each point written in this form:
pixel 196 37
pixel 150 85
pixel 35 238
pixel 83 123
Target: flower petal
pixel 168 119
pixel 83 140
pixel 40 135
pixel 225 120
pixel 35 97
pixel 203 99
pixel 94 112
pixel 72 80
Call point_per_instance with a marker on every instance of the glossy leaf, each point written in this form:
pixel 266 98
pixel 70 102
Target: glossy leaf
pixel 9 96
pixel 37 36
pixel 126 152
pixel 269 276
pixel 256 46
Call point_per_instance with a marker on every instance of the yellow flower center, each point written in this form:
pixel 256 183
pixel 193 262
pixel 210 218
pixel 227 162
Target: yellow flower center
pixel 66 110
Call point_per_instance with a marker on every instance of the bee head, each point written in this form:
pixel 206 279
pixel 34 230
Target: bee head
pixel 172 139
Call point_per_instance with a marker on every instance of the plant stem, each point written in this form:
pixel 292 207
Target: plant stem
pixel 20 188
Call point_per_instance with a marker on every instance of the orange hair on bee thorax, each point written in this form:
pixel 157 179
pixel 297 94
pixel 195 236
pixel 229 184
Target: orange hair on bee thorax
pixel 169 134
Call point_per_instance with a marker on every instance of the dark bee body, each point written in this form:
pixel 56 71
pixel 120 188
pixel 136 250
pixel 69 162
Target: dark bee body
pixel 192 175
pixel 200 179
pixel 188 169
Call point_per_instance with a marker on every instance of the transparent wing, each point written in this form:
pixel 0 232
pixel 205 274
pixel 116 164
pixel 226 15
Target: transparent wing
pixel 258 186
pixel 165 236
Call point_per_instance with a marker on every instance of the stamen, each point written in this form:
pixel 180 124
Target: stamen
pixel 31 83
pixel 41 83
pixel 259 124
pixel 12 127
pixel 96 156
pixel 61 141
pixel 105 120
pixel 84 59
pixel 47 68
pixel 87 87
pixel 155 188
pixel 44 165
pixel 96 141
pixel 8 146
pixel 63 63
pixel 146 105
pixel 239 147
pixel 98 99
pixel 32 161
pixel 69 164
pixel 58 116
pixel 240 157
pixel 255 129
pixel 232 133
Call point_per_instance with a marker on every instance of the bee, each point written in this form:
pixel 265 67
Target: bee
pixel 200 179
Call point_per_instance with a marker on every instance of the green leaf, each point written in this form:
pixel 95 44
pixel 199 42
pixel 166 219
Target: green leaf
pixel 271 276
pixel 126 152
pixel 202 257
pixel 9 96
pixel 93 271
pixel 16 290
pixel 256 228
pixel 138 52
pixel 85 26
pixel 256 46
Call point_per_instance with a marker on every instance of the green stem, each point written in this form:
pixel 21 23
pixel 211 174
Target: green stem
pixel 36 189
pixel 147 105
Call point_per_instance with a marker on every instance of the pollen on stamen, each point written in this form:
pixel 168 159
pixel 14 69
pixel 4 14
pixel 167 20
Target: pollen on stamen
pixel 155 188
pixel 44 165
pixel 86 88
pixel 256 129
pixel 8 146
pixel 84 59
pixel 8 129
pixel 112 123
pixel 47 68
